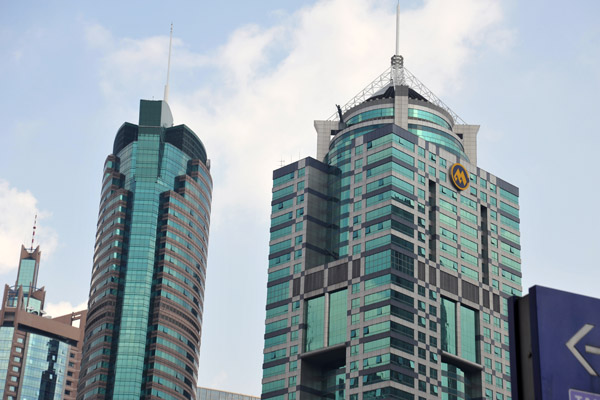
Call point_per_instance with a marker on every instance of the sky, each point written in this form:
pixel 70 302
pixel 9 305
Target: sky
pixel 250 78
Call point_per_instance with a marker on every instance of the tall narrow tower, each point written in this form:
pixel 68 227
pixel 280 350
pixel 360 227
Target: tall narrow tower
pixel 392 256
pixel 142 339
pixel 39 355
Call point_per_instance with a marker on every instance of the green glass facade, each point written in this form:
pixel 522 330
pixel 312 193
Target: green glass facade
pixel 382 273
pixel 27 273
pixel 337 317
pixel 44 370
pixel 6 338
pixel 146 298
pixel 448 326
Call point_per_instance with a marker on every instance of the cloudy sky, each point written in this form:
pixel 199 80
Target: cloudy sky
pixel 249 78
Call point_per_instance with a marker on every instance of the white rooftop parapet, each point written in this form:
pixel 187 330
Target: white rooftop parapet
pixel 324 129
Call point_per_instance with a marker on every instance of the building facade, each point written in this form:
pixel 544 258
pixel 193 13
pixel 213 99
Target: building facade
pixel 142 339
pixel 39 355
pixel 389 265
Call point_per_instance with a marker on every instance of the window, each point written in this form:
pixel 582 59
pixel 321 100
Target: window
pixel 499 382
pixel 498 366
pixel 448 325
pixel 433 389
pixel 432 326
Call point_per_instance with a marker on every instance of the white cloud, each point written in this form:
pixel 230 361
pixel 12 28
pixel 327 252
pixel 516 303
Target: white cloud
pixel 63 308
pixel 272 82
pixel 327 52
pixel 17 210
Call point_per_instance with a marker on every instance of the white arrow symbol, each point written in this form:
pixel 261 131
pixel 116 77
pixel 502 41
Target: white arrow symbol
pixel 590 349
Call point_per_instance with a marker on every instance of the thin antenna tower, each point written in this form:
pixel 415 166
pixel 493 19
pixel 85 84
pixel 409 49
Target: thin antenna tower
pixel 398 29
pixel 166 96
pixel 33 234
pixel 397 59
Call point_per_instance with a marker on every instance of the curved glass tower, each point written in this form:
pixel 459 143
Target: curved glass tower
pixel 142 338
pixel 386 279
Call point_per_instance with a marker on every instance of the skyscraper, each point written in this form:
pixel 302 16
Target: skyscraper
pixel 392 256
pixel 142 339
pixel 39 355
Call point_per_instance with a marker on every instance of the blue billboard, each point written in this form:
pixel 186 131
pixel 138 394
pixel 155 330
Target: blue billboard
pixel 555 345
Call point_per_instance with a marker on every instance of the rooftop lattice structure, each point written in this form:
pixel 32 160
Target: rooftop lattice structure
pixel 403 77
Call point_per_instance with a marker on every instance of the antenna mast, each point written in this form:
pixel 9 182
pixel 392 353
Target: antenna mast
pixel 33 234
pixel 166 96
pixel 398 29
pixel 397 59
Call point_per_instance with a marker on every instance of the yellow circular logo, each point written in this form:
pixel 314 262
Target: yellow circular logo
pixel 459 176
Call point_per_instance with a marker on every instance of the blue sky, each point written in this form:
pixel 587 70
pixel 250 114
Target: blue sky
pixel 249 78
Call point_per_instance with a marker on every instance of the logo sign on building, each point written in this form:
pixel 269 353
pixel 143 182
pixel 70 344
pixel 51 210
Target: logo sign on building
pixel 555 345
pixel 459 176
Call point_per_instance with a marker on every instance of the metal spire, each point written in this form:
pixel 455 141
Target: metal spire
pixel 397 59
pixel 398 29
pixel 33 234
pixel 166 96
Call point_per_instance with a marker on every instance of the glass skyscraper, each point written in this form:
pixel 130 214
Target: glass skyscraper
pixel 392 255
pixel 39 355
pixel 142 339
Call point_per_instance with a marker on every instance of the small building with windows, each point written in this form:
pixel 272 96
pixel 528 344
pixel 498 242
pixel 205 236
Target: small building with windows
pixel 213 394
pixel 40 355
